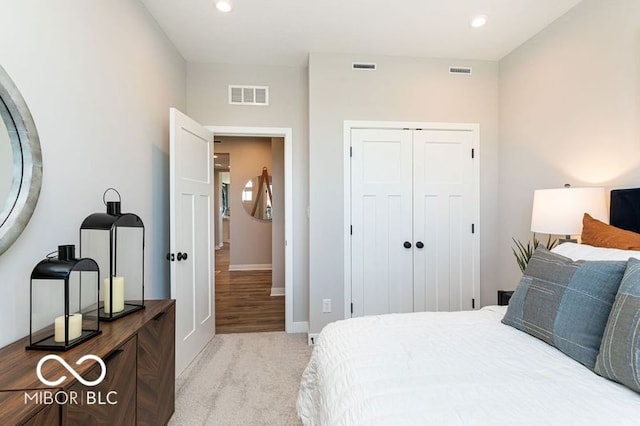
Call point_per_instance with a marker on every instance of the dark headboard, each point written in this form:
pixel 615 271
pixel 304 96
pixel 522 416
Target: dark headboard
pixel 625 209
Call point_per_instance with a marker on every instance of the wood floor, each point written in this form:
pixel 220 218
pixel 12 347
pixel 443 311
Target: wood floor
pixel 243 299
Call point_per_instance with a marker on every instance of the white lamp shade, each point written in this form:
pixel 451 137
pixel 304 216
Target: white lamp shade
pixel 560 211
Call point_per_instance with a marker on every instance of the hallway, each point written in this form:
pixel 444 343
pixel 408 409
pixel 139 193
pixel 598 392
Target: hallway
pixel 243 299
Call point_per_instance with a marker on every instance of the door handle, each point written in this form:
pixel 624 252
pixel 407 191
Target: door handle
pixel 419 244
pixel 114 354
pixel 182 256
pixel 159 316
pixel 171 257
pixel 407 244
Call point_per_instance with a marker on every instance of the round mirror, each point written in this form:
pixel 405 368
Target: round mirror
pixel 20 163
pixel 257 196
pixel 7 179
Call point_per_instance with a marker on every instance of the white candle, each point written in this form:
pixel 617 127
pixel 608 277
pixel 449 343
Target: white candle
pixel 75 327
pixel 118 295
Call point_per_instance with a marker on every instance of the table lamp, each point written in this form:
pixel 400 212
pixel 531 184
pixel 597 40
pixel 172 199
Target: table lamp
pixel 560 211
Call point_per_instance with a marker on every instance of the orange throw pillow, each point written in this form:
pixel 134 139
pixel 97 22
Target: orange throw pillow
pixel 599 234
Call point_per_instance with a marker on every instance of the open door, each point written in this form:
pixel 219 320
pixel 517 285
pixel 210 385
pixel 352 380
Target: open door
pixel 191 238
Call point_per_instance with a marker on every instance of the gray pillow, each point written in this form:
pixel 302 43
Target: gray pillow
pixel 566 303
pixel 619 357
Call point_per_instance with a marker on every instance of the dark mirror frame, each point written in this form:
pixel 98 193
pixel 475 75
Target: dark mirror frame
pixel 27 163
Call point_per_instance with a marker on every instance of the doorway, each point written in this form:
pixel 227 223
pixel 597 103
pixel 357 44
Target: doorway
pixel 223 259
pixel 249 201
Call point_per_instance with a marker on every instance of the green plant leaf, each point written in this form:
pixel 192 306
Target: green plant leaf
pixel 523 252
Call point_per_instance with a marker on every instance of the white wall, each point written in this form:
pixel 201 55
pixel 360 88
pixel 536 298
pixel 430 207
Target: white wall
pixel 569 113
pixel 402 89
pixel 207 102
pixel 99 78
pixel 250 237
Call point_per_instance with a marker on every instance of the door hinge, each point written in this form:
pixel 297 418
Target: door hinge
pixel 352 309
pixel 350 151
pixel 351 230
pixel 473 228
pixel 473 303
pixel 473 153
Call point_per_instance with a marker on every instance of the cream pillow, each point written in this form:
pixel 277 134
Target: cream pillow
pixel 586 252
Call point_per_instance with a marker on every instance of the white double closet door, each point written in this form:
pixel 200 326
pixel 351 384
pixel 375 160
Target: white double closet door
pixel 413 205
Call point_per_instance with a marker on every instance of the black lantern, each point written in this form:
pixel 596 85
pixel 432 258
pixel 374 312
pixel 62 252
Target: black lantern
pixel 116 241
pixel 64 296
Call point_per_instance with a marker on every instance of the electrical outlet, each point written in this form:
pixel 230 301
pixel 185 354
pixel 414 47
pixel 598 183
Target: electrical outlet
pixel 326 306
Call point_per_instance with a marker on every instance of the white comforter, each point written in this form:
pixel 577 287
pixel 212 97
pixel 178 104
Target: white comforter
pixel 458 368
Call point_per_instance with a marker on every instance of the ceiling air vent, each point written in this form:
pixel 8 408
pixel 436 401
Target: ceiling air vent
pixel 249 95
pixel 363 66
pixel 460 70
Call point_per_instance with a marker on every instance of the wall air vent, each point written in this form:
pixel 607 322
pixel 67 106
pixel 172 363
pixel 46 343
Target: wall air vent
pixel 249 95
pixel 460 70
pixel 364 66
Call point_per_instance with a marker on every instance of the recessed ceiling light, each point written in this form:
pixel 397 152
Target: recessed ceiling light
pixel 224 5
pixel 478 21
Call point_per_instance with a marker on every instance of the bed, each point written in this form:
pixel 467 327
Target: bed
pixel 471 368
pixel 458 368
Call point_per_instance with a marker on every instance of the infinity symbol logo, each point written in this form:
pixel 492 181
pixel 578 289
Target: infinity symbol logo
pixel 71 370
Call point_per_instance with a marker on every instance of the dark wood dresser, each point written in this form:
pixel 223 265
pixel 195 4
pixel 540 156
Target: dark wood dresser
pixel 138 389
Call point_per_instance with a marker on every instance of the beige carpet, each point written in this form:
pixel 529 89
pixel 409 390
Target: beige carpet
pixel 243 379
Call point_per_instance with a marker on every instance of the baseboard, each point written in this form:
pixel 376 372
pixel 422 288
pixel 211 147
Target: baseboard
pixel 312 338
pixel 299 327
pixel 251 267
pixel 277 291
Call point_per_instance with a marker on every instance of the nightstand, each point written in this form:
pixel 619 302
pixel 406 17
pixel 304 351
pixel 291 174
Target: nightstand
pixel 504 296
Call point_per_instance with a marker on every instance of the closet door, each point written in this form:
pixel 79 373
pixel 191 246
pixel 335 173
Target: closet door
pixel 443 211
pixel 381 210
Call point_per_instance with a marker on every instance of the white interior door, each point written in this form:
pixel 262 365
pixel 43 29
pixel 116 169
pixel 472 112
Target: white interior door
pixel 381 212
pixel 443 211
pixel 191 238
pixel 413 205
